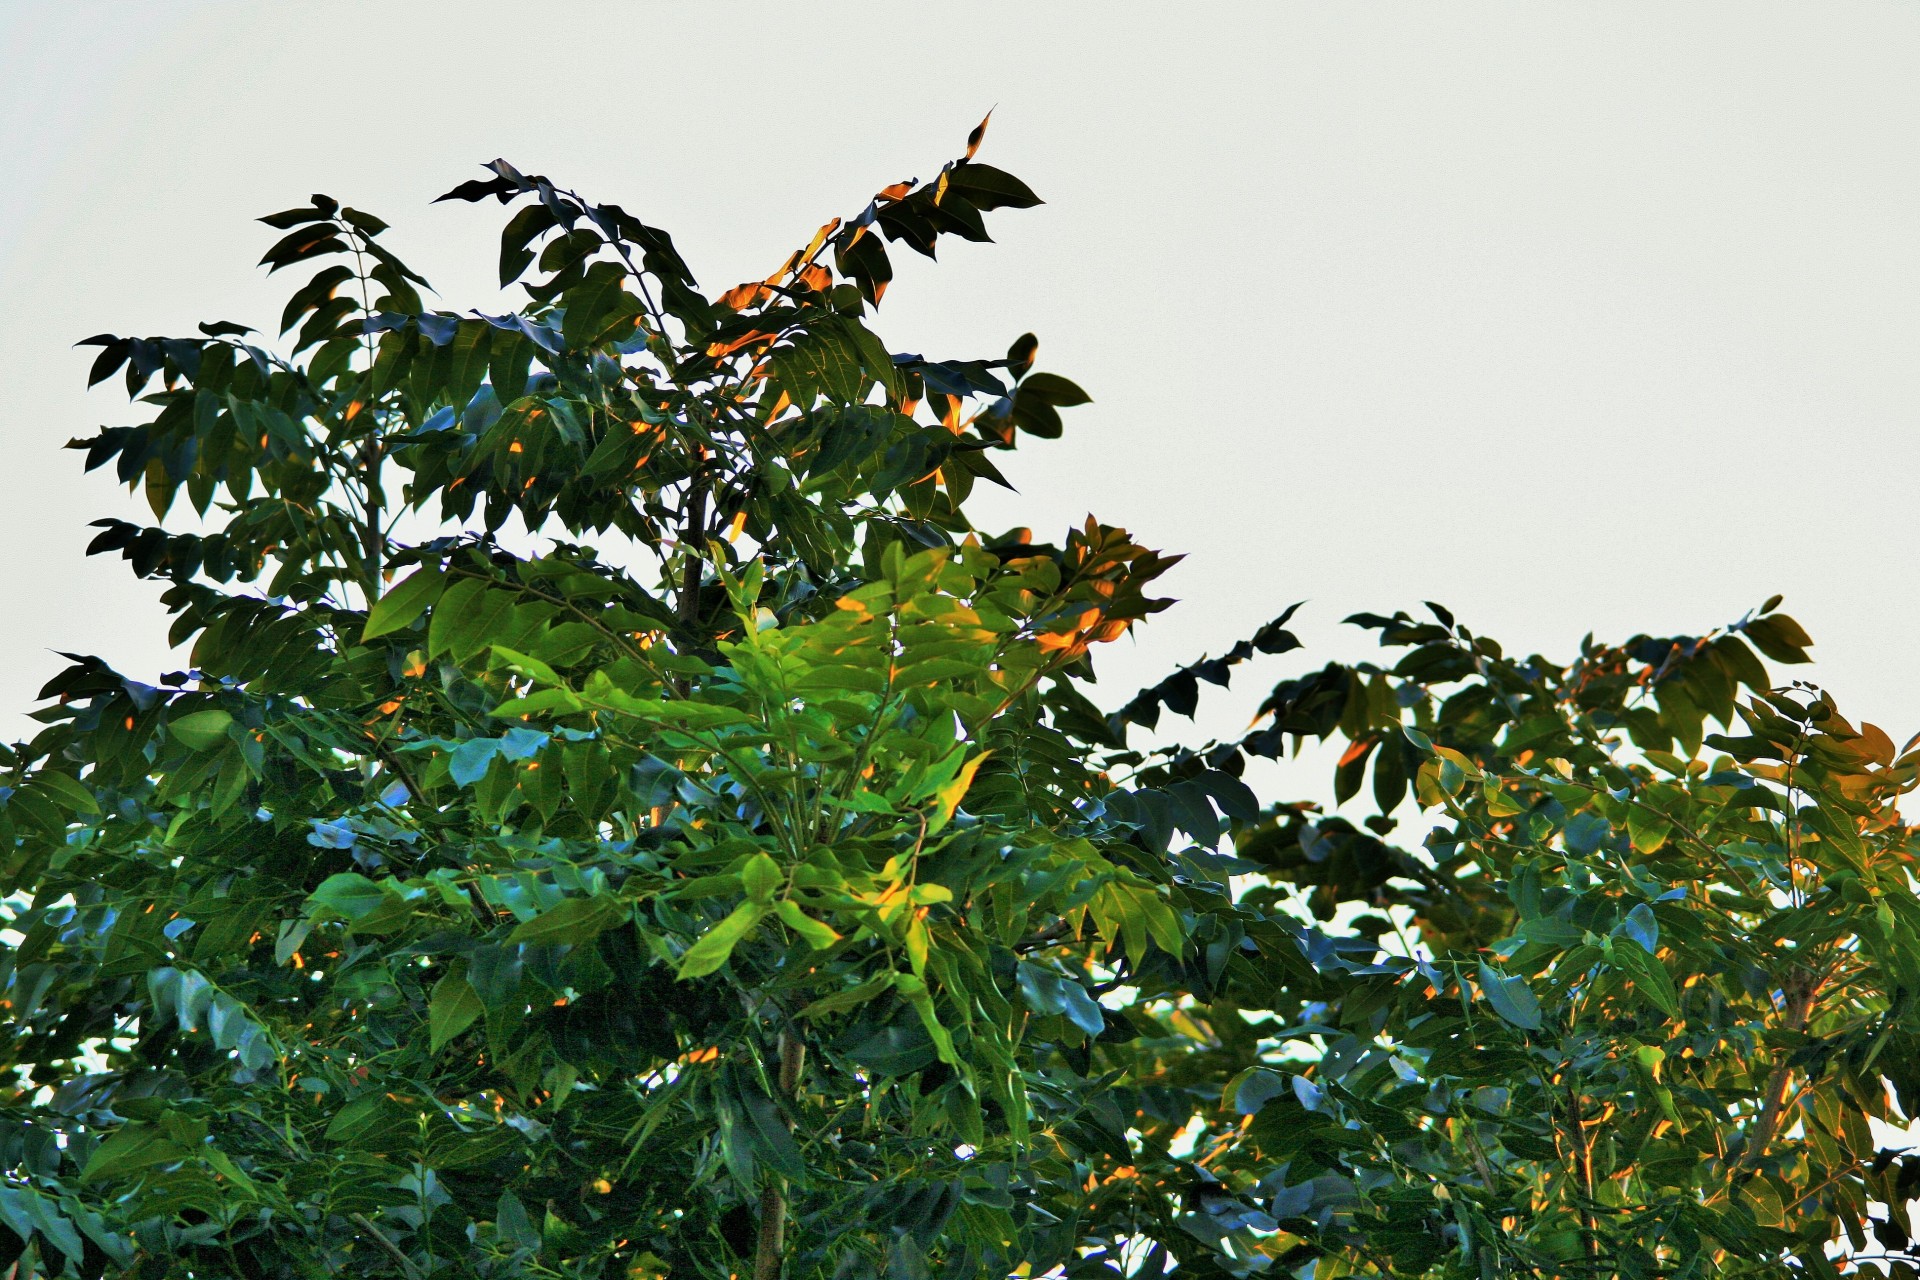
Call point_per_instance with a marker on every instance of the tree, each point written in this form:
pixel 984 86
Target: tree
pixel 714 863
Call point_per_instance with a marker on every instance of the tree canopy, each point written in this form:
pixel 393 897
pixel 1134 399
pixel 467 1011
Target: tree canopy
pixel 623 819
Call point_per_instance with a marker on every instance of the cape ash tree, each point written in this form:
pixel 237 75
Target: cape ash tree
pixel 693 849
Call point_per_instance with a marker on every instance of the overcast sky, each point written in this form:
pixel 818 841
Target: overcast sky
pixel 1572 317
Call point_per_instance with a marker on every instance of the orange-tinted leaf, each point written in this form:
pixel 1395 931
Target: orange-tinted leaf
pixel 742 296
pixel 979 132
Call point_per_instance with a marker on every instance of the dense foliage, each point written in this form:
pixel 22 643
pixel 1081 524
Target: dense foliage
pixel 624 820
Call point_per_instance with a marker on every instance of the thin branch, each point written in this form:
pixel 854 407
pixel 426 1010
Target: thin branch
pixel 392 1249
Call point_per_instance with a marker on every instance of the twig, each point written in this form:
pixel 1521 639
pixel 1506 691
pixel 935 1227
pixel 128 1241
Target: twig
pixel 392 1249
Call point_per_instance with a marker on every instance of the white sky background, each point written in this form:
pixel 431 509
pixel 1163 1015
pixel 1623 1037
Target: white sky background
pixel 1572 317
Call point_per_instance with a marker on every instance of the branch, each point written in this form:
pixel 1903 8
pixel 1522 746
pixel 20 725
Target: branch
pixel 693 543
pixel 406 1264
pixel 1799 1005
pixel 1042 937
pixel 1583 1170
pixel 770 1248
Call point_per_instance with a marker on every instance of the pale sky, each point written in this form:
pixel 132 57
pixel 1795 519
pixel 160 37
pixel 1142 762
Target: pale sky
pixel 1573 317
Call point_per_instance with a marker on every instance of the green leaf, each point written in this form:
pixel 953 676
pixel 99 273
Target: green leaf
pixel 453 1008
pixel 1055 390
pixel 370 1121
pixel 29 1211
pixel 1763 1198
pixel 914 990
pixel 133 1148
pixel 1163 926
pixel 468 367
pixel 1780 638
pixel 405 601
pixel 766 1129
pixel 1253 1088
pixel 861 801
pixel 714 946
pixel 202 730
pixel 595 303
pixel 546 702
pixel 574 920
pixel 1650 976
pixel 514 1224
pixel 1511 997
pixel 525 665
pixel 991 188
pixel 1640 925
pixel 1550 931
pixel 850 998
pixel 70 792
pixel 1647 829
pixel 818 934
pixel 460 619
pixel 349 895
pixel 762 878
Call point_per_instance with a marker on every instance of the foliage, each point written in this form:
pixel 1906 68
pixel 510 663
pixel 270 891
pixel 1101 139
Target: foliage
pixel 1636 996
pixel 623 820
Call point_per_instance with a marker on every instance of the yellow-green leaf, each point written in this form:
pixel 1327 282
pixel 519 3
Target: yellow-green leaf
pixel 717 943
pixel 1648 829
pixel 818 934
pixel 203 730
pixel 762 878
pixel 949 796
pixel 913 990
